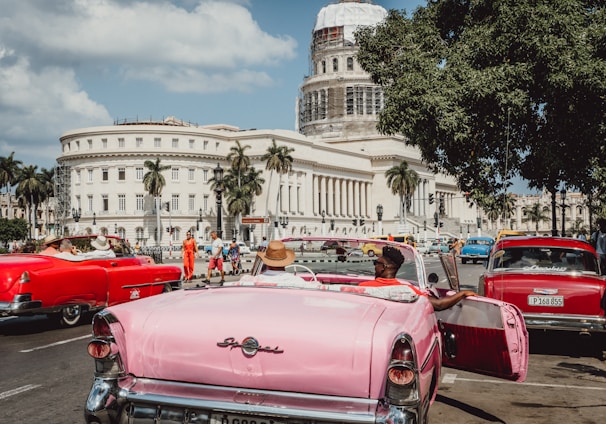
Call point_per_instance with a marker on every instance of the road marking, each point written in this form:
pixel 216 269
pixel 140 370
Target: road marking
pixel 450 379
pixel 54 344
pixel 18 390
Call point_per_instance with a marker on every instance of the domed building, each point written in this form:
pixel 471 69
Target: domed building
pixel 337 184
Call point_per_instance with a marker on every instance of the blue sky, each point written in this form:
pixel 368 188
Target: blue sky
pixel 68 64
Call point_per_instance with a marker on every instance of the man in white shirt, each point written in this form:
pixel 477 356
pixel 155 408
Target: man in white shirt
pixel 102 249
pixel 216 258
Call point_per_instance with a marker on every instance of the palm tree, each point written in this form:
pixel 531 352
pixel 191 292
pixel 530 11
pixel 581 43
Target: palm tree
pixel 535 214
pixel 154 182
pixel 279 159
pixel 29 189
pixel 402 181
pixel 239 160
pixel 9 172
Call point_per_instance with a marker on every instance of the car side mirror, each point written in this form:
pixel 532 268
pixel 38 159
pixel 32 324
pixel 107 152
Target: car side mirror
pixel 433 278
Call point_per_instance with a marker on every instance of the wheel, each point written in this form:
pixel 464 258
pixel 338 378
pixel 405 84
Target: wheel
pixel 295 266
pixel 371 253
pixel 464 261
pixel 69 315
pixel 167 288
pixel 475 262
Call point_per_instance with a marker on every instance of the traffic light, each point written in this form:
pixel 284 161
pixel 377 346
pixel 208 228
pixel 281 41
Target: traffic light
pixel 441 224
pixel 467 196
pixel 425 225
pixel 431 198
pixel 361 222
pixel 168 229
pixel 354 222
pixel 435 221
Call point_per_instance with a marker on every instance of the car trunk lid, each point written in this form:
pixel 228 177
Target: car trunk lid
pixel 12 266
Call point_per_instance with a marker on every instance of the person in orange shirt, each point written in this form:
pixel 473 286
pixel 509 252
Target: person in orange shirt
pixel 386 268
pixel 189 250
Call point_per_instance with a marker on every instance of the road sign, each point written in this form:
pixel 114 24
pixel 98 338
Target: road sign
pixel 255 220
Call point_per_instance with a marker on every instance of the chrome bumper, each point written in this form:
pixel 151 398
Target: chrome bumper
pixel 22 303
pixel 143 401
pixel 580 323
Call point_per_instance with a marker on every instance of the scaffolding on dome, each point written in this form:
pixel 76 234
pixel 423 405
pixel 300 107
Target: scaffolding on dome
pixel 62 196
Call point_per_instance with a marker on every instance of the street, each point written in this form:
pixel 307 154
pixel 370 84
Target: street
pixel 46 375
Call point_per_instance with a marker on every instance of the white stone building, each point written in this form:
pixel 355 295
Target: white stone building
pixel 338 173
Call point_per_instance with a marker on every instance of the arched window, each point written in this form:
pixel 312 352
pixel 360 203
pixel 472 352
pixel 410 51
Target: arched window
pixel 323 66
pixel 350 63
pixel 335 65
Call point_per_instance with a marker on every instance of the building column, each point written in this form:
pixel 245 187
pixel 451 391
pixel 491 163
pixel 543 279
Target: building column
pixel 330 207
pixel 316 206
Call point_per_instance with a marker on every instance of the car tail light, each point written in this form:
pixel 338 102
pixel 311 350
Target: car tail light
pixel 402 387
pixel 103 348
pixel 99 349
pixel 24 278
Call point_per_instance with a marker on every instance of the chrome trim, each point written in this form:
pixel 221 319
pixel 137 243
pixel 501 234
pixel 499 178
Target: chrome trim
pixel 591 323
pixel 112 400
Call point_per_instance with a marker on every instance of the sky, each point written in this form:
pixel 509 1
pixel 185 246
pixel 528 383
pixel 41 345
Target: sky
pixel 69 64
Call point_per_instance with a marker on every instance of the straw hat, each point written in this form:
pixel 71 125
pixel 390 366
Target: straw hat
pixel 100 243
pixel 277 254
pixel 50 239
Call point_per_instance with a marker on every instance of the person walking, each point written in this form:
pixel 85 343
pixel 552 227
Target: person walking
pixel 189 251
pixel 598 241
pixel 216 258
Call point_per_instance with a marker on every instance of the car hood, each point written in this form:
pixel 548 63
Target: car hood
pixel 312 342
pixel 12 266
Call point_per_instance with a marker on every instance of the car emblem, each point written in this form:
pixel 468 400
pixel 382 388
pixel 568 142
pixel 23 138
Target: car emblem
pixel 545 291
pixel 250 346
pixel 135 294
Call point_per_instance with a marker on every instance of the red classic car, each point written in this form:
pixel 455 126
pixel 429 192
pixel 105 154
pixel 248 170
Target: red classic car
pixel 65 289
pixel 307 345
pixel 555 281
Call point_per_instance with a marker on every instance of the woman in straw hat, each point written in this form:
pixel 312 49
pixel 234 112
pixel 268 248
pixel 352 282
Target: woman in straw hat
pixel 52 245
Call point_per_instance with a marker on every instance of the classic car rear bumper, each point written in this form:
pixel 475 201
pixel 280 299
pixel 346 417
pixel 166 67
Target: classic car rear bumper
pixel 21 303
pixel 150 401
pixel 581 323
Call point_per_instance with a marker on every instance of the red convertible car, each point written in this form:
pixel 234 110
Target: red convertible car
pixel 306 346
pixel 555 281
pixel 64 289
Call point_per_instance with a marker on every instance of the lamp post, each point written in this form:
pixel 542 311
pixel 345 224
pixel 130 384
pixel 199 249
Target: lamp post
pixel 284 224
pixel 115 228
pixel 380 218
pixel 76 214
pixel 94 223
pixel 332 227
pixel 323 213
pixel 563 205
pixel 218 171
pixel 199 232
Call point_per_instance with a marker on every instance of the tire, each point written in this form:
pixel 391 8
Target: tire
pixel 69 316
pixel 167 288
pixel 464 261
pixel 475 262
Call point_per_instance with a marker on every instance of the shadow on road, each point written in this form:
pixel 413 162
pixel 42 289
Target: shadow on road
pixel 563 343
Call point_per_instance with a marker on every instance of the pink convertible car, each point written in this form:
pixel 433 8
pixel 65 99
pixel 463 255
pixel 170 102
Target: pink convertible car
pixel 318 350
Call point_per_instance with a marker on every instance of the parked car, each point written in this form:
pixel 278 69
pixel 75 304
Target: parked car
pixel 371 249
pixel 438 247
pixel 476 249
pixel 555 281
pixel 34 284
pixel 208 249
pixel 509 233
pixel 319 350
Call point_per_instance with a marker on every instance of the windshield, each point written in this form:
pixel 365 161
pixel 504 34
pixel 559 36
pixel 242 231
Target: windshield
pixel 544 259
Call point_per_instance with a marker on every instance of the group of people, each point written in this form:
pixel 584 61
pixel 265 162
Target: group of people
pixel 190 253
pixel 63 248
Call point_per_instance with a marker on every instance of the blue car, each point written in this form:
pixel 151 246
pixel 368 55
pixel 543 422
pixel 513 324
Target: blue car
pixel 476 249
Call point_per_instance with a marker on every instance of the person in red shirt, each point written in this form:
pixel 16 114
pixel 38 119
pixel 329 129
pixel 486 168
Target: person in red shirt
pixel 386 268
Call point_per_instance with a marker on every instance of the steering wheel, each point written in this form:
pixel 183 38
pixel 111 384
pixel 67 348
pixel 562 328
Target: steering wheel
pixel 295 266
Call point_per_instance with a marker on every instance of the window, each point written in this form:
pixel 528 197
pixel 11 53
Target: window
pixel 77 145
pixel 335 65
pixel 369 102
pixel 174 206
pixel 139 141
pixel 104 174
pixel 105 203
pixel 350 63
pixel 157 142
pixel 90 175
pixel 349 100
pixel 104 143
pixel 359 100
pixel 175 143
pixel 78 177
pixel 139 202
pixel 192 144
pixel 122 202
pixel 205 144
pixel 175 174
pixel 191 173
pixel 140 233
pixel 205 175
pixel 121 174
pixel 139 174
pixel 323 66
pixel 121 143
pixel 322 110
pixel 205 203
pixel 90 144
pixel 89 202
pixel 191 202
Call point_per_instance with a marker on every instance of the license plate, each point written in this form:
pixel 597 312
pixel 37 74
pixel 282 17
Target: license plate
pixel 556 301
pixel 241 419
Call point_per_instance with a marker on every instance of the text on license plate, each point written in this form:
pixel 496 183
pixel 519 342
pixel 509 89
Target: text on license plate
pixel 557 301
pixel 241 419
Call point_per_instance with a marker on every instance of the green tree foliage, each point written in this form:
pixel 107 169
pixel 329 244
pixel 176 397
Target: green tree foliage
pixel 491 89
pixel 13 229
pixel 154 182
pixel 402 181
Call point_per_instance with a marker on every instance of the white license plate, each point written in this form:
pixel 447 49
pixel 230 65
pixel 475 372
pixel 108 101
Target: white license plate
pixel 241 419
pixel 556 301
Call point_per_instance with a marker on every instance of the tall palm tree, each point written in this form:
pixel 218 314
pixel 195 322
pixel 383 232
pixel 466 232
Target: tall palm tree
pixel 154 182
pixel 239 160
pixel 30 188
pixel 9 172
pixel 536 214
pixel 279 159
pixel 402 181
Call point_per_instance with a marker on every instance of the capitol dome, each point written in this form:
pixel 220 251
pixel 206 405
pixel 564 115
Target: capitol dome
pixel 349 14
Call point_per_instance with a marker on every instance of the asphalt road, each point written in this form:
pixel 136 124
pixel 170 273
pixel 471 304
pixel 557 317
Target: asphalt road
pixel 46 374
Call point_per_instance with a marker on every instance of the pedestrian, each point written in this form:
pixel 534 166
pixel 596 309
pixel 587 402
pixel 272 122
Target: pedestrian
pixel 598 241
pixel 102 248
pixel 52 245
pixel 263 244
pixel 189 251
pixel 216 258
pixel 582 235
pixel 234 257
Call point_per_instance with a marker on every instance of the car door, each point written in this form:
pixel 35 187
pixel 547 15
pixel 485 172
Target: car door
pixel 482 335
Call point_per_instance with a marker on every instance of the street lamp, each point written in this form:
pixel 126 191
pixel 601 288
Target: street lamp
pixel 94 219
pixel 115 228
pixel 284 224
pixel 380 218
pixel 323 213
pixel 76 214
pixel 332 225
pixel 218 171
pixel 563 205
